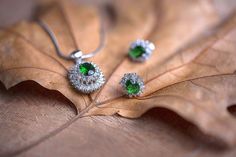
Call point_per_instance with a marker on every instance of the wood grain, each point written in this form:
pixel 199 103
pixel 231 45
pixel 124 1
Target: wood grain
pixel 163 131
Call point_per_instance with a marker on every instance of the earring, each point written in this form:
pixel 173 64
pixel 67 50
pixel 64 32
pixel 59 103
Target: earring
pixel 132 84
pixel 141 50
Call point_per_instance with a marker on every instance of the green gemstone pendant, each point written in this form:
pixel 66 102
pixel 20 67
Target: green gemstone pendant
pixel 86 77
pixel 132 84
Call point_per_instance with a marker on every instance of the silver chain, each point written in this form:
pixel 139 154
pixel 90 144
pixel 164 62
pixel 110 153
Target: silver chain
pixel 77 54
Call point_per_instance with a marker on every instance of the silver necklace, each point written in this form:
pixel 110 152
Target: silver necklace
pixel 84 76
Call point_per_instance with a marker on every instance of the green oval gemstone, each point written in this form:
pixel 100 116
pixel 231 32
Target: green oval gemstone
pixel 132 88
pixel 137 52
pixel 87 69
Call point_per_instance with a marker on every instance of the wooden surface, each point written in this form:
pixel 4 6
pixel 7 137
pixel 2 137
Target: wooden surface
pixel 159 132
pixel 30 113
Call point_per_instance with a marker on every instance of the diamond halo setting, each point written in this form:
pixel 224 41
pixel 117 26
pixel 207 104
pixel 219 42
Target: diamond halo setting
pixel 141 50
pixel 86 77
pixel 132 84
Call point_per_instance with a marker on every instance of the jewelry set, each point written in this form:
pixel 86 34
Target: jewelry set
pixel 87 77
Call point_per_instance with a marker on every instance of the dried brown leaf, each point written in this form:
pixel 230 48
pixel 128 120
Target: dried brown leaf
pixel 191 73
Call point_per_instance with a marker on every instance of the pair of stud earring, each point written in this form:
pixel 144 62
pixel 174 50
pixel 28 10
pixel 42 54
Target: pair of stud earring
pixel 131 83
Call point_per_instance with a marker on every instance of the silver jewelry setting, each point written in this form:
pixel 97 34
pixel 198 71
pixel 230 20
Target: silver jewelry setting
pixel 84 76
pixel 132 80
pixel 86 83
pixel 148 47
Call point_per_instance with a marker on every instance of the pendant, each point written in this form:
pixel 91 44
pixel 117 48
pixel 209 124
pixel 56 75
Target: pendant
pixel 86 77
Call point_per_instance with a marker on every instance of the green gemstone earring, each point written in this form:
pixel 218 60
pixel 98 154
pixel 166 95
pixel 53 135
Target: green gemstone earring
pixel 132 84
pixel 141 50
